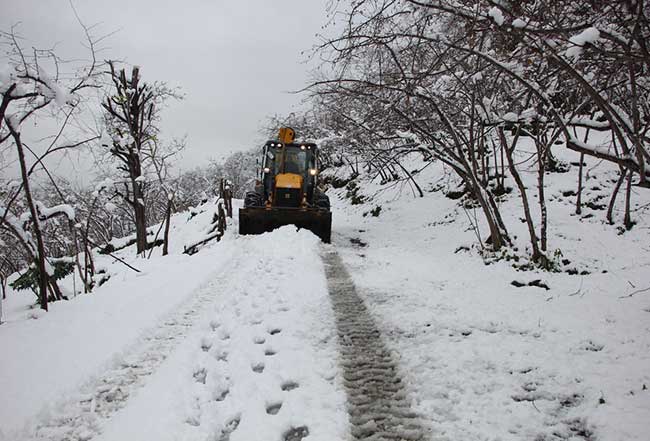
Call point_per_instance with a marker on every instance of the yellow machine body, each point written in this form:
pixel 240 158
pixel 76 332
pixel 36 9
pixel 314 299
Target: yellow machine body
pixel 286 135
pixel 288 180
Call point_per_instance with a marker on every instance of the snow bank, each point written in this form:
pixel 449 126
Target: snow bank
pixel 46 359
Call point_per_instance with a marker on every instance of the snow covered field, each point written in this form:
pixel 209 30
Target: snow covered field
pixel 239 341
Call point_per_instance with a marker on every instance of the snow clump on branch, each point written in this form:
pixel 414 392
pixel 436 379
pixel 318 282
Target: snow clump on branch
pixel 496 15
pixel 589 35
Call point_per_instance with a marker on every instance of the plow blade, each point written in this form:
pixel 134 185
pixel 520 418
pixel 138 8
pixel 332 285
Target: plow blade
pixel 262 220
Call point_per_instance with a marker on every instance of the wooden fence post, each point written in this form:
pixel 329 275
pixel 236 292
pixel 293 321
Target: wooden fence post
pixel 228 199
pixel 221 220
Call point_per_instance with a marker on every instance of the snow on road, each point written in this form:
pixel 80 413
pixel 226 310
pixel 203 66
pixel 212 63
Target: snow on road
pixel 266 366
pixel 262 364
pixel 238 343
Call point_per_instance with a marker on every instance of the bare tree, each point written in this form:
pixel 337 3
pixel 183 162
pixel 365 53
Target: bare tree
pixel 27 89
pixel 132 114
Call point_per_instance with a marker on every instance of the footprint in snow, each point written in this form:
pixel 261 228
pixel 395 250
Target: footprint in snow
pixel 221 395
pixel 193 421
pixel 591 346
pixel 214 325
pixel 200 375
pixel 273 408
pixel 229 428
pixel 269 352
pixel 296 433
pixel 259 340
pixel 275 331
pixel 258 368
pixel 205 345
pixel 289 385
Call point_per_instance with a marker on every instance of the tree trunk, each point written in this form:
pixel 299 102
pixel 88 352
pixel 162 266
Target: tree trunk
pixel 140 216
pixel 496 236
pixel 579 196
pixel 40 258
pixel 542 206
pixel 612 200
pixel 168 215
pixel 628 195
pixel 497 215
pixel 543 156
pixel 524 197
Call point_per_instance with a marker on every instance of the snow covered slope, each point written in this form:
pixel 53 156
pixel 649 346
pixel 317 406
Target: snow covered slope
pixel 46 358
pixel 485 359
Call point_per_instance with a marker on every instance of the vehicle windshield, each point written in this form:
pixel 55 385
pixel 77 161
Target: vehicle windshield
pixel 295 161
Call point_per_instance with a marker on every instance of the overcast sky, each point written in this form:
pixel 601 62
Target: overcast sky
pixel 235 60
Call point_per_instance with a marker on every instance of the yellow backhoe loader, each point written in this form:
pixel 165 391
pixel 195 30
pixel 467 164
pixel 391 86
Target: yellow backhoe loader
pixel 286 192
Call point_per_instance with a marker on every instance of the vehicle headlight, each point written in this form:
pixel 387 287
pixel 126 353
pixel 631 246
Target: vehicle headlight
pixel 313 171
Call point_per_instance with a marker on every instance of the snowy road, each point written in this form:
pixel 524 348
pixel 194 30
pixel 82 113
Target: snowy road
pixel 377 403
pixel 251 354
pixel 277 345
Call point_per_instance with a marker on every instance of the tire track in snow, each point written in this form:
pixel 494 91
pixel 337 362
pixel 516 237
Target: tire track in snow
pixel 377 403
pixel 80 418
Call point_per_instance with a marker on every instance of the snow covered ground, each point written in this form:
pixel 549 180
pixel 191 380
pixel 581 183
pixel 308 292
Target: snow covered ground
pixel 261 364
pixel 236 340
pixel 239 341
pixel 485 360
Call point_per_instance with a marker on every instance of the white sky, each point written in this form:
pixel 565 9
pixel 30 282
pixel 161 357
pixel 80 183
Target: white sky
pixel 235 60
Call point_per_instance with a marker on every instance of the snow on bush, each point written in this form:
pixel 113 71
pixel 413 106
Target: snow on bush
pixel 589 35
pixel 496 15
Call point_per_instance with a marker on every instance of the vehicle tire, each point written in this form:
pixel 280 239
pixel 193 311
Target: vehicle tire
pixel 321 200
pixel 253 199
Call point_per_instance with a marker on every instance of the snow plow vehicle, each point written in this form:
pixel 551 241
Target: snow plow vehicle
pixel 287 192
